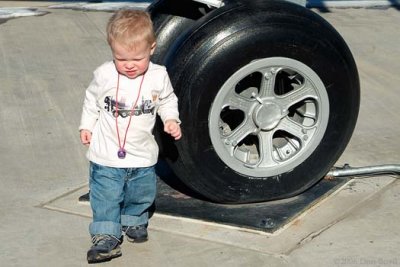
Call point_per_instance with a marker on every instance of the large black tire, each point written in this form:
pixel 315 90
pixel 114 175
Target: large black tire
pixel 171 18
pixel 269 98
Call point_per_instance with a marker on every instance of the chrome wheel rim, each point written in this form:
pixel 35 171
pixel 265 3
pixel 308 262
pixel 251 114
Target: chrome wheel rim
pixel 269 117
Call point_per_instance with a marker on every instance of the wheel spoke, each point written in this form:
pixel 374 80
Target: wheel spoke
pixel 238 134
pixel 235 101
pixel 295 96
pixel 266 149
pixel 289 126
pixel 268 83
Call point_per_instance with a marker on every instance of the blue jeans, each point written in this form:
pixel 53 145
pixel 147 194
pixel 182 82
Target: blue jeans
pixel 120 197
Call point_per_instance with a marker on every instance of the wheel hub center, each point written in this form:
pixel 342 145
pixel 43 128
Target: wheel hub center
pixel 267 115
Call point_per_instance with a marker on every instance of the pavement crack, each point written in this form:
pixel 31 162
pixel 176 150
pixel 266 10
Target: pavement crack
pixel 312 236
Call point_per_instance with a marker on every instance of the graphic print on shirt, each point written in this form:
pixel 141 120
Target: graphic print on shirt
pixel 145 106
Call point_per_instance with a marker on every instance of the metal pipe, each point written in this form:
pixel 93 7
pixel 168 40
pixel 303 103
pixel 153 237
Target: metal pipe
pixel 346 170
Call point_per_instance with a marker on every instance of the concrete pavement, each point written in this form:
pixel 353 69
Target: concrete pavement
pixel 47 62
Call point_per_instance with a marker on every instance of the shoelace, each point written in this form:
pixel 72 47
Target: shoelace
pixel 100 240
pixel 138 227
pixel 130 227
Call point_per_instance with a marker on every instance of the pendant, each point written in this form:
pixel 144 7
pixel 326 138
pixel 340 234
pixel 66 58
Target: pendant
pixel 121 153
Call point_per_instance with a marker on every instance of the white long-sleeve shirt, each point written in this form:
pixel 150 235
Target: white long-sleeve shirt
pixel 99 115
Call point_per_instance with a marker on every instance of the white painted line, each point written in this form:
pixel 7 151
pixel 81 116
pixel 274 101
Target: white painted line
pixel 102 6
pixel 14 12
pixel 352 4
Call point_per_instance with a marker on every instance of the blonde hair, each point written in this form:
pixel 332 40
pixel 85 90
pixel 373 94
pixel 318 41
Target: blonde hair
pixel 130 28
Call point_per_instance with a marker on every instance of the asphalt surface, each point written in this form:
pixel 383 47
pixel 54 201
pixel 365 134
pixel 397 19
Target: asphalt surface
pixel 46 63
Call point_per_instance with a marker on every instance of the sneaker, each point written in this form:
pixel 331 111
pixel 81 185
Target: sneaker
pixel 104 248
pixel 136 234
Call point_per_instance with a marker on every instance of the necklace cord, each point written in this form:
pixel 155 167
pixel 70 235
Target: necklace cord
pixel 130 115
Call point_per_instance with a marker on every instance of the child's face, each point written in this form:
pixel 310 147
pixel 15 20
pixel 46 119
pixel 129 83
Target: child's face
pixel 132 62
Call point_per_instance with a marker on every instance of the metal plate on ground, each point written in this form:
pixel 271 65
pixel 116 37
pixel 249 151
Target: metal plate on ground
pixel 174 199
pixel 266 216
pixel 310 214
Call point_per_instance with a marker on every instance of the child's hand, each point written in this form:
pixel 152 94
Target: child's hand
pixel 86 136
pixel 172 127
